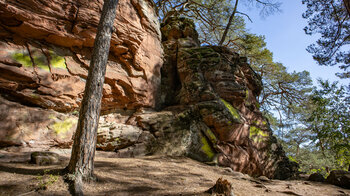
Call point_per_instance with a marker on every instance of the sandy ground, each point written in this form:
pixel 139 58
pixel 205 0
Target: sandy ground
pixel 144 176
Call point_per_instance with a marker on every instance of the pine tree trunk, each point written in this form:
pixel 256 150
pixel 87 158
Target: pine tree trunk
pixel 81 164
pixel 228 24
pixel 298 149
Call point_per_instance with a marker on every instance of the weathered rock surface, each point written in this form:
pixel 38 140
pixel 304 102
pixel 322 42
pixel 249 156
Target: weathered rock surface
pixel 213 116
pixel 34 127
pixel 23 128
pixel 45 47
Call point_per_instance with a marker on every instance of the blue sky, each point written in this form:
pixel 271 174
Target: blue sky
pixel 285 37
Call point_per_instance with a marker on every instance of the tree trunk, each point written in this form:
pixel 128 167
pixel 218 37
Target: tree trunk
pixel 228 24
pixel 347 6
pixel 298 149
pixel 322 148
pixel 81 164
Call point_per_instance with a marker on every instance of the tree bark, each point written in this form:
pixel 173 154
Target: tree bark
pixel 347 6
pixel 228 24
pixel 81 164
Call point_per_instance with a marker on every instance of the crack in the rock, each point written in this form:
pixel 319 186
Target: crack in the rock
pixel 33 63
pixel 74 22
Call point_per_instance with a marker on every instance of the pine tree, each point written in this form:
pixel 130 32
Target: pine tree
pixel 330 19
pixel 81 165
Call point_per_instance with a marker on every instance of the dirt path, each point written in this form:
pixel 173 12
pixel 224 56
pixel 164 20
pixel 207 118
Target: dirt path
pixel 144 176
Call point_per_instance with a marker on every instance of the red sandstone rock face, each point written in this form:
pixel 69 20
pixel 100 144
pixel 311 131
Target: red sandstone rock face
pixel 45 48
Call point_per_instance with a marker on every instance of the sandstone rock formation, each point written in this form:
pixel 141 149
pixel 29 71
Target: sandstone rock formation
pixel 201 104
pixel 213 115
pixel 45 48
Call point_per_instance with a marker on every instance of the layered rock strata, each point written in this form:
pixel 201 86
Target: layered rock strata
pixel 45 47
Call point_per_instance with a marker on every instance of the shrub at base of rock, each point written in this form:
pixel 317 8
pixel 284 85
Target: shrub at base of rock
pixel 340 178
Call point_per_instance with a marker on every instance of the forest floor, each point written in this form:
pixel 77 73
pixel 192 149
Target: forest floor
pixel 152 175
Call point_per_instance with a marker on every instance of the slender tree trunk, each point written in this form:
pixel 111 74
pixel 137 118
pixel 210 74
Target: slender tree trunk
pixel 81 164
pixel 347 6
pixel 322 148
pixel 229 24
pixel 298 149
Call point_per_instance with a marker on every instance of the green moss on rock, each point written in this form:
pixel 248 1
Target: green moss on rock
pixel 257 135
pixel 62 127
pixel 255 131
pixel 211 136
pixel 232 110
pixel 40 60
pixel 206 148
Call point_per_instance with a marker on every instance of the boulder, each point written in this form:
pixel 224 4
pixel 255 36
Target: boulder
pixel 263 179
pixel 136 150
pixel 113 136
pixel 340 178
pixel 44 158
pixel 316 177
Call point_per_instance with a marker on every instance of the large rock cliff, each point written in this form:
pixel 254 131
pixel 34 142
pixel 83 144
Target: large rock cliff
pixel 46 45
pixel 201 103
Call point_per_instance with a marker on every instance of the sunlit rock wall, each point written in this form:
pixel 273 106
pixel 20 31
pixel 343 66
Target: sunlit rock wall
pixel 45 47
